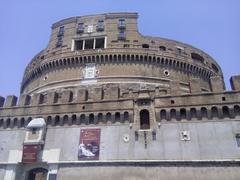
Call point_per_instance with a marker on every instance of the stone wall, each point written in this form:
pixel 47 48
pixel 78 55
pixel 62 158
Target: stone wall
pixel 149 173
pixel 207 141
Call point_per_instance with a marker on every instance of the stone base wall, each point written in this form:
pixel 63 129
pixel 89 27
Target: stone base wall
pixel 149 173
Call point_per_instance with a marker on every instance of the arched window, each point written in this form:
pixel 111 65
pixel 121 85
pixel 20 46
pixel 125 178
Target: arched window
pixel 65 120
pixel 91 118
pixel 193 113
pixel 57 121
pixel 173 114
pixel 74 119
pixel 109 116
pixel 15 122
pixel 117 116
pixel 100 117
pixel 183 114
pixel 49 120
pixel 163 114
pixel 204 112
pixel 82 118
pixel 8 123
pixel 144 119
pixel 22 122
pixel 236 110
pixel 126 116
pixel 226 113
pixel 214 111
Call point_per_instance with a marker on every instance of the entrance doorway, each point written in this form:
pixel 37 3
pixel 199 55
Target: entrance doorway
pixel 144 119
pixel 37 174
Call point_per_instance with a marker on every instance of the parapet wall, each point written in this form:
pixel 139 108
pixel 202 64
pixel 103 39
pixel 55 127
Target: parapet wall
pixel 112 105
pixel 112 92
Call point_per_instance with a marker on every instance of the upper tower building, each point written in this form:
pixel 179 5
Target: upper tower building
pixel 108 49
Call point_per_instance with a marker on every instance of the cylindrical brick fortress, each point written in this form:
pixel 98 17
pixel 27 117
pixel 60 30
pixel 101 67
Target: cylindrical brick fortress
pixel 108 49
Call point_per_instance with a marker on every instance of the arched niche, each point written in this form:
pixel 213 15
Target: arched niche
pixel 37 174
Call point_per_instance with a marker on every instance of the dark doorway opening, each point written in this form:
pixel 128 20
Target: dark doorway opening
pixel 38 174
pixel 144 119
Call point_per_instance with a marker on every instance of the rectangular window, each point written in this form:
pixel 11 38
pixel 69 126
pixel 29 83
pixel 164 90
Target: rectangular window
pixel 61 31
pixel 238 139
pixel 89 44
pixel 78 44
pixel 59 41
pixel 121 24
pixel 100 25
pixel 100 43
pixel 80 28
pixel 121 35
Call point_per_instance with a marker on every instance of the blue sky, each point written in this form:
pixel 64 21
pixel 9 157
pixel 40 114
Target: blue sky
pixel 211 25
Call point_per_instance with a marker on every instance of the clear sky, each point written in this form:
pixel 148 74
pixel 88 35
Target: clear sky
pixel 211 25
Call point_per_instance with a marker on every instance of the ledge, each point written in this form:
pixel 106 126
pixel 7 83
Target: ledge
pixel 153 163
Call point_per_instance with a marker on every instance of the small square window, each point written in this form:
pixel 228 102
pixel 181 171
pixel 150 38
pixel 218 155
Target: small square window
pixel 121 24
pixel 80 28
pixel 100 25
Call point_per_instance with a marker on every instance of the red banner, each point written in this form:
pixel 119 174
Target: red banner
pixel 30 153
pixel 89 144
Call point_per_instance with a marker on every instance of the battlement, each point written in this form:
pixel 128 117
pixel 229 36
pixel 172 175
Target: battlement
pixel 111 104
pixel 114 92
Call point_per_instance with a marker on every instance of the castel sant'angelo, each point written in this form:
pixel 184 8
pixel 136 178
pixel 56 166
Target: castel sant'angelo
pixel 102 101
